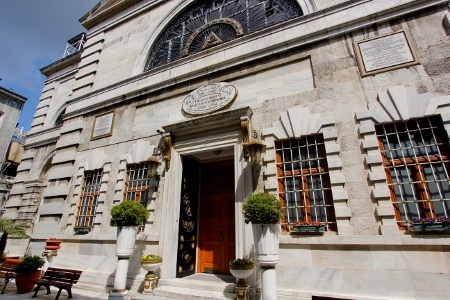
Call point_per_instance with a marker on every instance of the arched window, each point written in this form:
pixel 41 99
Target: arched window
pixel 209 23
pixel 59 120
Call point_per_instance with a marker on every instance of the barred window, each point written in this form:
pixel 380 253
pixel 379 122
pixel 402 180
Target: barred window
pixel 303 181
pixel 137 184
pixel 416 160
pixel 89 198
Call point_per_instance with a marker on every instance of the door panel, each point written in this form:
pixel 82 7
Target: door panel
pixel 187 241
pixel 217 236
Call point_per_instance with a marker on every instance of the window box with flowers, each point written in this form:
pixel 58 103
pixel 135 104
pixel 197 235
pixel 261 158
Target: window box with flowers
pixel 306 226
pixel 430 224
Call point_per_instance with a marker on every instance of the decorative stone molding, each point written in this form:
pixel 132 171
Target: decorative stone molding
pixel 398 103
pixel 231 22
pixel 96 160
pixel 295 123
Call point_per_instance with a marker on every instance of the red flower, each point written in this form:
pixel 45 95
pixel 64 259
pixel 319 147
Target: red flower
pixel 298 223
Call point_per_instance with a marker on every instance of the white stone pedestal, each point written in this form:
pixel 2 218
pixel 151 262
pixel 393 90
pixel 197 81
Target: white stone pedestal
pixel 266 238
pixel 150 285
pixel 126 240
pixel 269 283
pixel 243 292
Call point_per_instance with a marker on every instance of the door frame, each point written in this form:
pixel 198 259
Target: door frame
pixel 168 240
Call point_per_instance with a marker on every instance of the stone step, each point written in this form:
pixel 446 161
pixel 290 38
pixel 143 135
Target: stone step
pixel 197 287
pixel 191 294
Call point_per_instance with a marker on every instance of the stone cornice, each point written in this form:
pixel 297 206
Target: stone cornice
pixel 61 64
pixel 12 95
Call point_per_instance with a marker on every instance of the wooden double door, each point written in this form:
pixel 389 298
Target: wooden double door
pixel 217 220
pixel 207 199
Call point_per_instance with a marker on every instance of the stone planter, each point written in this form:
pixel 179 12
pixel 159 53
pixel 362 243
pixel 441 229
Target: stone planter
pixel 309 228
pixel 126 240
pixel 435 226
pixel 151 279
pixel 241 273
pixel 266 238
pixel 150 267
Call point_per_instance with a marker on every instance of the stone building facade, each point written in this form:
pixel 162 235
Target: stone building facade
pixel 11 105
pixel 351 99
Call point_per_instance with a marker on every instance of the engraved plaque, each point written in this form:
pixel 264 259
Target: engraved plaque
pixel 385 53
pixel 103 125
pixel 209 98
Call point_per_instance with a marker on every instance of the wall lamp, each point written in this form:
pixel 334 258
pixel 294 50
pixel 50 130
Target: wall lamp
pixel 167 138
pixel 255 148
pixel 152 166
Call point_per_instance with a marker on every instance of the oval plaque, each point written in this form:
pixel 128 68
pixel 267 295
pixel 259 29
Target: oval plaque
pixel 209 98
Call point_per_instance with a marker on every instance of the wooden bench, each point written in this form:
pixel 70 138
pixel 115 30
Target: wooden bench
pixel 57 277
pixel 7 272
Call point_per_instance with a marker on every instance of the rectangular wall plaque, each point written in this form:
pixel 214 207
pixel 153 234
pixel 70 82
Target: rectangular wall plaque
pixel 385 53
pixel 103 125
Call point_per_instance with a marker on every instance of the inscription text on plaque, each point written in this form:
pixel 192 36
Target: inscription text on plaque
pixel 386 52
pixel 103 125
pixel 209 98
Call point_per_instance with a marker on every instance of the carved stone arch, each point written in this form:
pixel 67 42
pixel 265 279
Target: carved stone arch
pixel 306 6
pixel 297 122
pixel 168 41
pixel 138 152
pixel 398 103
pixel 46 165
pixel 95 160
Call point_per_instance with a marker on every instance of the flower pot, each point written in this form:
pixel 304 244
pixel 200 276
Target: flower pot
pixel 53 244
pixel 309 228
pixel 24 281
pixel 126 240
pixel 150 267
pixel 266 239
pixel 242 272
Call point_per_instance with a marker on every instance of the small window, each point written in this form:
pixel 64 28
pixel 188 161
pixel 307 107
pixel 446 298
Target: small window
pixel 59 120
pixel 137 185
pixel 416 161
pixel 89 199
pixel 303 182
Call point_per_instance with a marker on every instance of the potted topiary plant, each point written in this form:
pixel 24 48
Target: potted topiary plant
pixel 263 210
pixel 27 272
pixel 126 216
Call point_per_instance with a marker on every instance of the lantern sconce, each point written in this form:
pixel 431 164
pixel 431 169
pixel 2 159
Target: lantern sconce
pixel 152 166
pixel 255 148
pixel 167 139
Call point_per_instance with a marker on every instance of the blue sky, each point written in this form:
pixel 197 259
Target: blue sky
pixel 33 34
